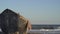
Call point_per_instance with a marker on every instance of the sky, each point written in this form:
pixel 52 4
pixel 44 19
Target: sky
pixel 37 11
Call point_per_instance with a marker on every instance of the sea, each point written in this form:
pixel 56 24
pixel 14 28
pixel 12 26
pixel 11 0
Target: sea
pixel 45 29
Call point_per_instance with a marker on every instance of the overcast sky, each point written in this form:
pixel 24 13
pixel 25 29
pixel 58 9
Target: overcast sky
pixel 37 11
